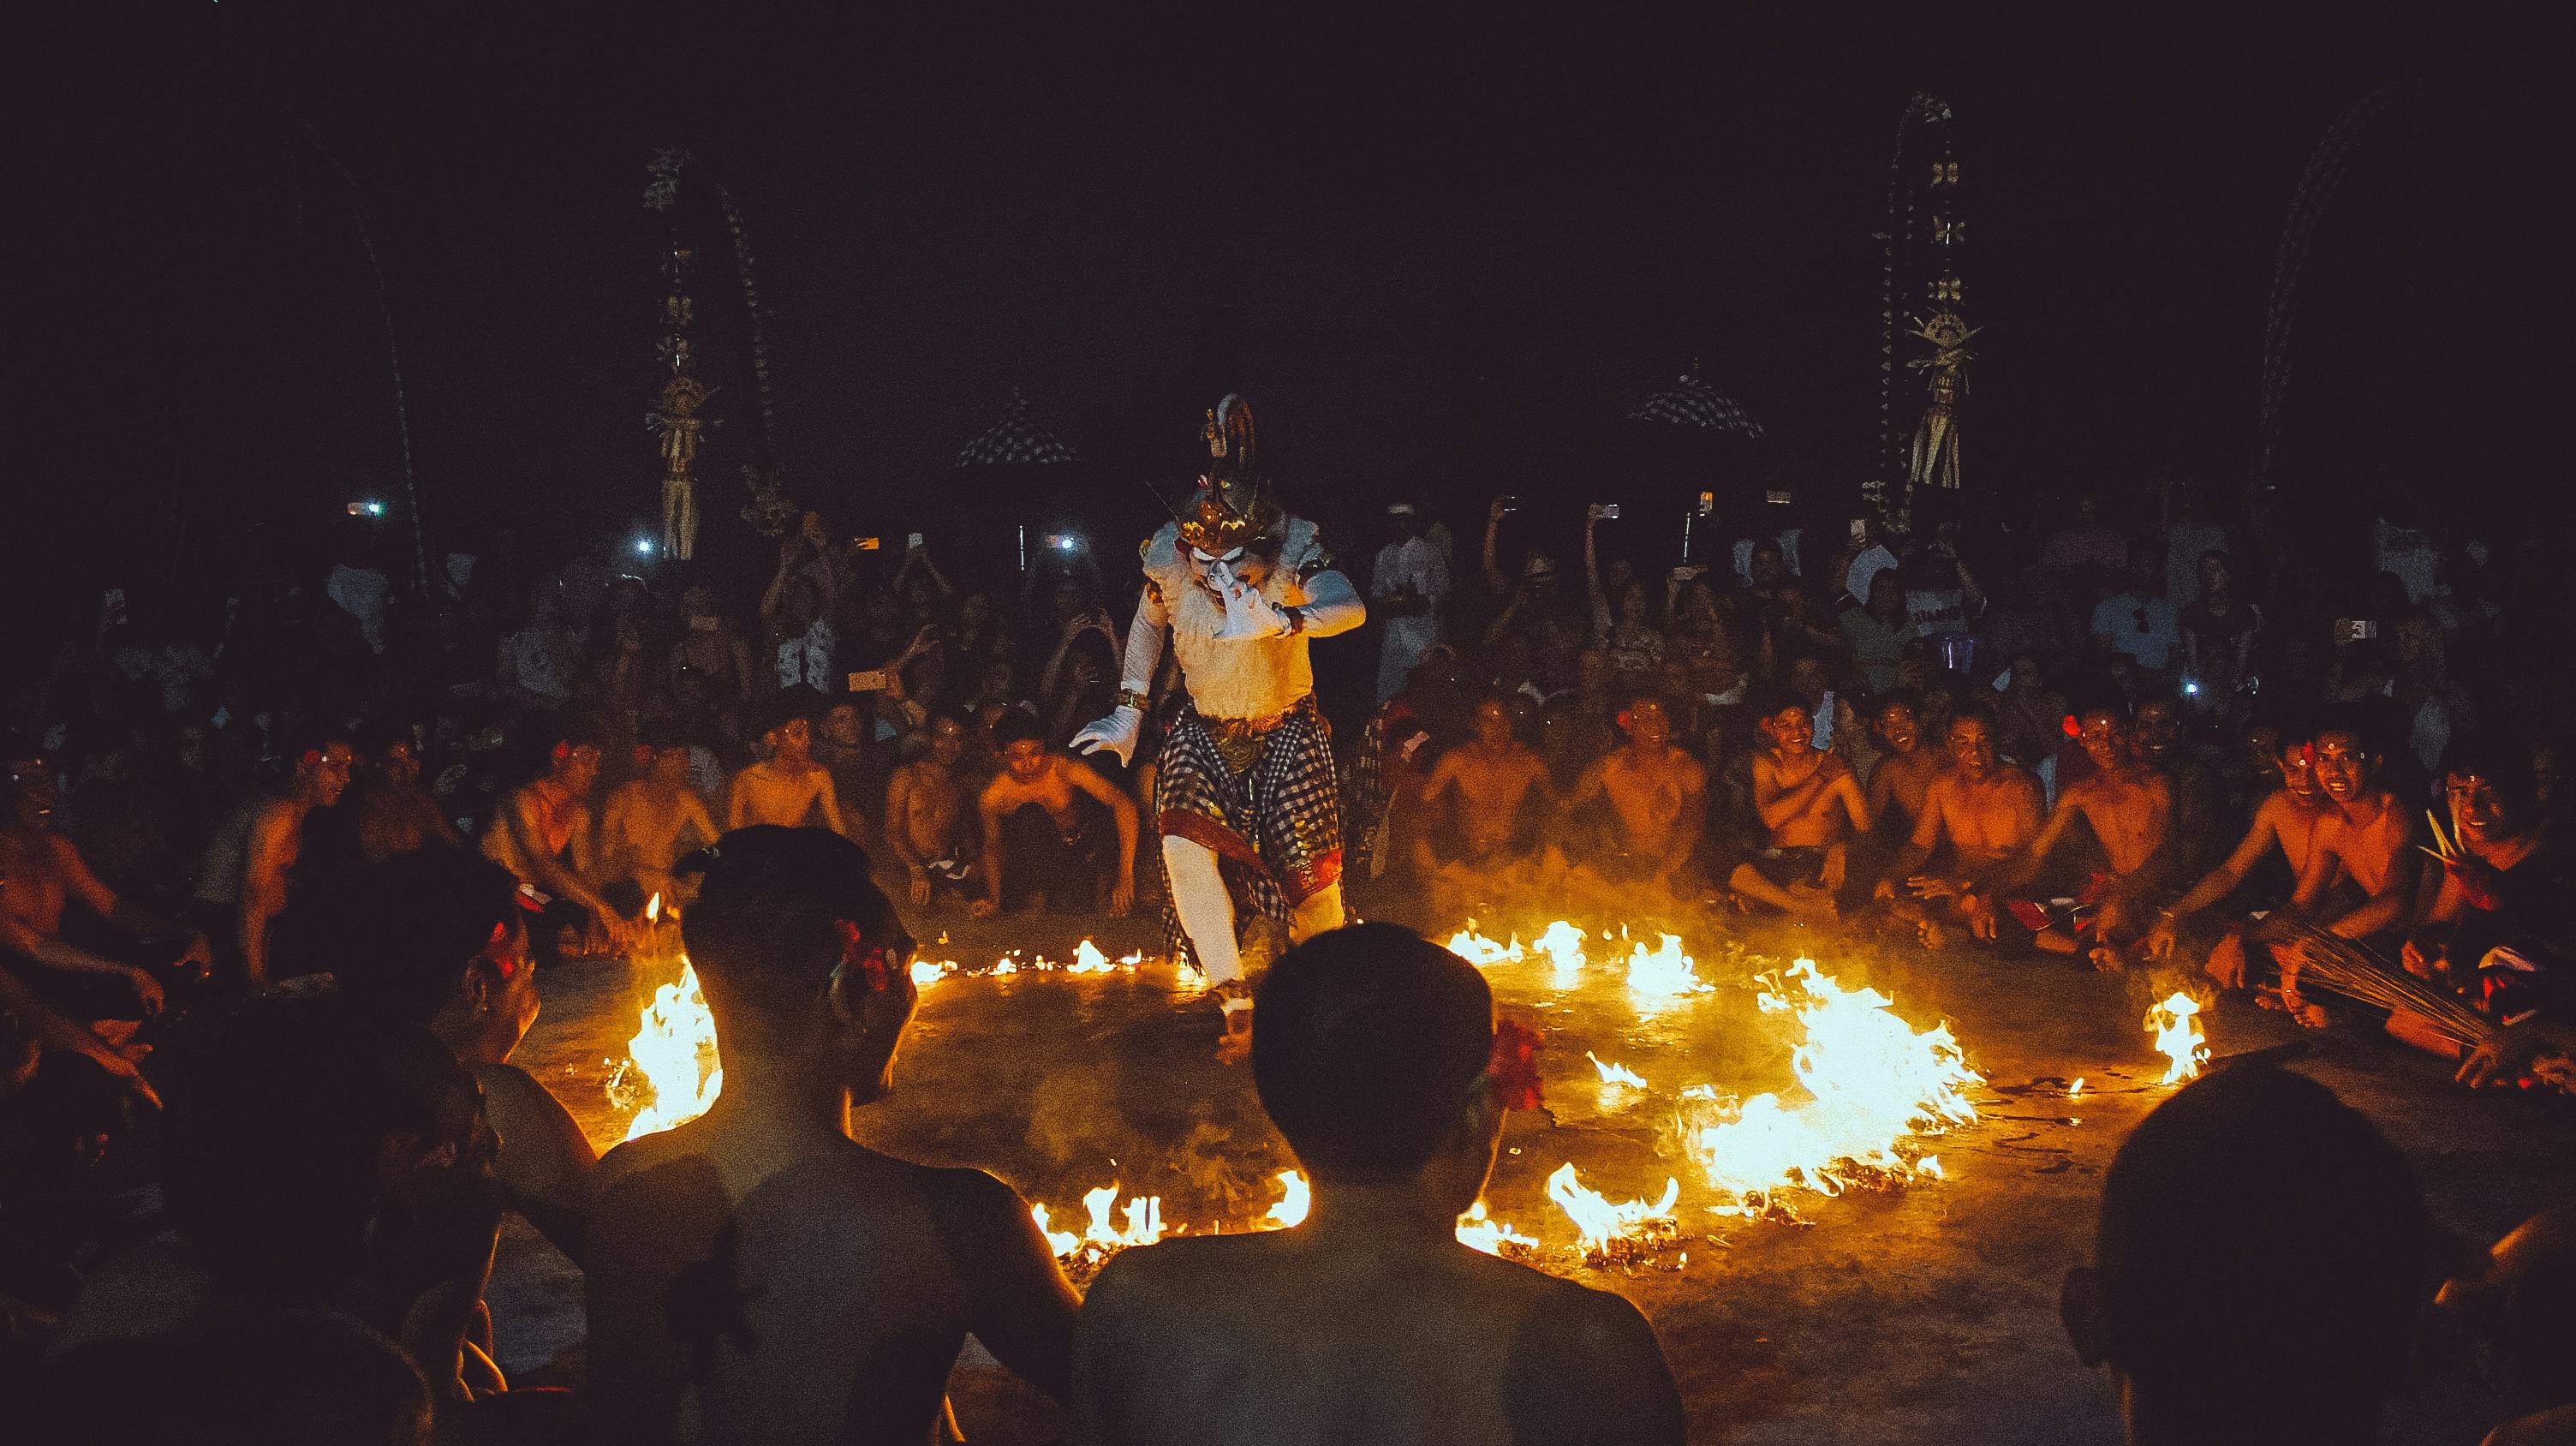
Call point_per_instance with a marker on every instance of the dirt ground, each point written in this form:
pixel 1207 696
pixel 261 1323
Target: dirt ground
pixel 1921 1314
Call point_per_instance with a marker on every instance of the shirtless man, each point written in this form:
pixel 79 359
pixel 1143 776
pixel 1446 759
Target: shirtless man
pixel 758 1275
pixel 1658 803
pixel 2363 863
pixel 1984 811
pixel 1491 779
pixel 1898 785
pixel 273 837
pixel 542 833
pixel 787 787
pixel 2286 820
pixel 1369 1321
pixel 395 814
pixel 1811 809
pixel 1053 852
pixel 41 872
pixel 2129 807
pixel 925 812
pixel 651 821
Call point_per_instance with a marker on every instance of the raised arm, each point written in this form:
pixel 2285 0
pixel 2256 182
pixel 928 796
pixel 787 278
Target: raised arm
pixel 1592 577
pixel 1332 605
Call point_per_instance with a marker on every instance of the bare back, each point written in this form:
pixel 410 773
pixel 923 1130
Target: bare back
pixel 1272 1338
pixel 820 1301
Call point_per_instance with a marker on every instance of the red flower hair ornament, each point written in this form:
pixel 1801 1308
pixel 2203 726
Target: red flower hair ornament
pixel 1511 1072
pixel 870 963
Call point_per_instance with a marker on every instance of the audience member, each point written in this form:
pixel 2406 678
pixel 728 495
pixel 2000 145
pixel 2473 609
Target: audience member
pixel 1369 1321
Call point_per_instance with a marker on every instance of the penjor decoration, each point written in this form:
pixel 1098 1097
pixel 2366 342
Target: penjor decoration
pixel 1925 237
pixel 1245 795
pixel 676 413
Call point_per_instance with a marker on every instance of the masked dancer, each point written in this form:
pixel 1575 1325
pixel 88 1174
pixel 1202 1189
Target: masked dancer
pixel 1245 794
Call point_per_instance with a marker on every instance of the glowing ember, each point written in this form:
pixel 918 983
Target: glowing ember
pixel 1482 952
pixel 1477 1231
pixel 1291 1210
pixel 1596 1220
pixel 1663 975
pixel 2176 1026
pixel 2075 1091
pixel 1562 943
pixel 674 1049
pixel 1615 1074
pixel 653 909
pixel 1872 1083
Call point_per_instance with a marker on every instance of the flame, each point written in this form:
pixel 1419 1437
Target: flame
pixel 1291 1210
pixel 674 1048
pixel 1482 952
pixel 1478 1232
pixel 926 973
pixel 1615 1074
pixel 1595 1218
pixel 1562 943
pixel 1872 1081
pixel 653 909
pixel 1087 959
pixel 1664 975
pixel 1062 1242
pixel 2075 1091
pixel 2178 1037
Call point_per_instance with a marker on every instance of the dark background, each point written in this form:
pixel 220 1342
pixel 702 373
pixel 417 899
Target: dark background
pixel 1445 253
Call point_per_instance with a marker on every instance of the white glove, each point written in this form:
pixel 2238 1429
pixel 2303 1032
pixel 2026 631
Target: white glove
pixel 1248 615
pixel 1116 733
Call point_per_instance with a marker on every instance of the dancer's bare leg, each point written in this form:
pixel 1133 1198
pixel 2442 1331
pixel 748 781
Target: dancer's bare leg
pixel 1321 911
pixel 1206 912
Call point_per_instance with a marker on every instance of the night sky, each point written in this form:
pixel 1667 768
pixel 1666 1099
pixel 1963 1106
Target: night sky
pixel 1439 255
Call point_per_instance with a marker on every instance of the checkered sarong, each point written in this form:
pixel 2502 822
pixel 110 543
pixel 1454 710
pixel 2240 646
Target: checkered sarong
pixel 1276 827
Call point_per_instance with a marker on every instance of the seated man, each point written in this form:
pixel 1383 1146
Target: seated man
pixel 542 833
pixel 2361 872
pixel 788 787
pixel 1983 811
pixel 1370 1321
pixel 1811 809
pixel 2499 927
pixel 2129 808
pixel 925 816
pixel 756 1274
pixel 1039 845
pixel 2262 1262
pixel 2287 820
pixel 2200 797
pixel 1478 804
pixel 40 873
pixel 249 863
pixel 1658 803
pixel 442 944
pixel 395 814
pixel 651 822
pixel 1904 775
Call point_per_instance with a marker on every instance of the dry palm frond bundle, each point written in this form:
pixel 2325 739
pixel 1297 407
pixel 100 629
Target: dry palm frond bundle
pixel 2332 962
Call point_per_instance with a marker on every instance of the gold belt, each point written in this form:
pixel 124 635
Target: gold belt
pixel 1238 740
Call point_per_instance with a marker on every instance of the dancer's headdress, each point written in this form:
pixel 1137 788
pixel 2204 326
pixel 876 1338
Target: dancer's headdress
pixel 1234 506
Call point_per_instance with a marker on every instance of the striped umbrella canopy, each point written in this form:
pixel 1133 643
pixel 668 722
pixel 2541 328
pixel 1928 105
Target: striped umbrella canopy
pixel 1014 441
pixel 1691 402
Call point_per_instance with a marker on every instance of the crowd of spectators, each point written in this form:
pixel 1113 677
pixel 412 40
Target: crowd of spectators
pixel 278 877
